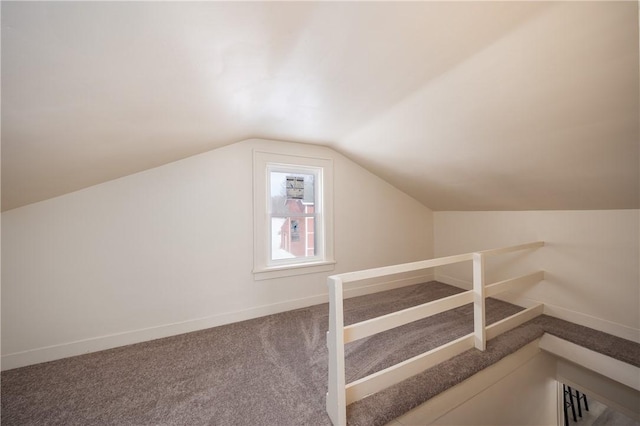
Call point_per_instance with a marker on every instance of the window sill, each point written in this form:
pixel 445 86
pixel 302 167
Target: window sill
pixel 292 270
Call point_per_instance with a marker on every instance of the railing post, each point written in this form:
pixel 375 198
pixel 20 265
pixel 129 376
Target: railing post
pixel 336 395
pixel 479 329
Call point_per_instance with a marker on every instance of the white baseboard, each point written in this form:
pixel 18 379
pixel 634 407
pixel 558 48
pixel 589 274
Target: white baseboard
pixel 555 311
pixel 610 327
pixel 456 282
pixel 80 347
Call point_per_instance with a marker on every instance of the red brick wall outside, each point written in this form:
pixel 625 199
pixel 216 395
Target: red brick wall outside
pixel 297 232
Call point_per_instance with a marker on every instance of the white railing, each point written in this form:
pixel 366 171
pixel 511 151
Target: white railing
pixel 341 394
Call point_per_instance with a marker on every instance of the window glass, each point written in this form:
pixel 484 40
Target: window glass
pixel 292 208
pixel 293 217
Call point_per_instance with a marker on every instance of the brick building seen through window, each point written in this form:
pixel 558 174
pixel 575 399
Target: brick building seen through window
pixel 297 232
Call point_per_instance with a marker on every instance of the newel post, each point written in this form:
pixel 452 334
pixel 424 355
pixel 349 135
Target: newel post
pixel 336 395
pixel 479 330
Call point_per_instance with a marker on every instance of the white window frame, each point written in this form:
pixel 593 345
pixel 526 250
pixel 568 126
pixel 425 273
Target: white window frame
pixel 263 164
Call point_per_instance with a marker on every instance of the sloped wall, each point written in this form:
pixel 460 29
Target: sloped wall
pixel 591 259
pixel 169 250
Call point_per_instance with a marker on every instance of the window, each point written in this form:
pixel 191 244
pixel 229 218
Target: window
pixel 293 232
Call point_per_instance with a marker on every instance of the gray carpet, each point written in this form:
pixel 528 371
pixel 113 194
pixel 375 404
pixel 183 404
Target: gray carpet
pixel 267 371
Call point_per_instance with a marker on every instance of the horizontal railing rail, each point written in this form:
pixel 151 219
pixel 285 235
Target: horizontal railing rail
pixel 396 319
pixel 340 394
pixel 501 286
pixel 510 249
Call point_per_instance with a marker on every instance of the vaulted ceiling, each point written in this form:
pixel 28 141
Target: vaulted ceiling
pixel 462 105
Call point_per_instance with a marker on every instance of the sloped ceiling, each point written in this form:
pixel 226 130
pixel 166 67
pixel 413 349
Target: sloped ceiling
pixel 464 106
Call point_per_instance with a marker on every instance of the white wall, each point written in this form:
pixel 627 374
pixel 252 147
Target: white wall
pixel 520 389
pixel 591 259
pixel 528 396
pixel 169 250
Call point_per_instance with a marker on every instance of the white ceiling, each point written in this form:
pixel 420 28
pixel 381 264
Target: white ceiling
pixel 464 106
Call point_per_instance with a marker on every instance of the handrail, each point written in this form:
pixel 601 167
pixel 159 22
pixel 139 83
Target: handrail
pixel 340 394
pixel 509 249
pixel 364 274
pixel 501 286
pixel 403 267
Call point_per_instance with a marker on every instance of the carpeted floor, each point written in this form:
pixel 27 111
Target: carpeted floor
pixel 267 371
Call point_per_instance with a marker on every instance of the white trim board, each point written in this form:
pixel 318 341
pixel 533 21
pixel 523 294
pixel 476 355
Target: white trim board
pixel 95 344
pixel 612 382
pixel 456 282
pixel 615 329
pixel 621 372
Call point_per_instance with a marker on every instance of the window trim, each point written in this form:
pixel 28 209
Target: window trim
pixel 263 266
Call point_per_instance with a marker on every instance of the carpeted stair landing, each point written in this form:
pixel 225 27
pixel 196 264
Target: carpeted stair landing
pixel 270 370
